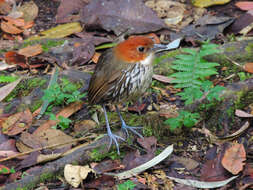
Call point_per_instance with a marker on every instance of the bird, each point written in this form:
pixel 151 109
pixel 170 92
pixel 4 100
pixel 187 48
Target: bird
pixel 123 73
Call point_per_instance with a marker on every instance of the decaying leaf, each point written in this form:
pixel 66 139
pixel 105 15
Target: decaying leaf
pixel 17 123
pixel 75 174
pixel 234 158
pixel 208 3
pixel 248 67
pixel 245 5
pixel 241 113
pixel 31 51
pixel 59 31
pixel 162 78
pixel 203 184
pixel 120 16
pixel 30 10
pixel 129 173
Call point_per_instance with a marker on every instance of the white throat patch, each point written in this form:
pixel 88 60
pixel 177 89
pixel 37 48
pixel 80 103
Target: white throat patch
pixel 148 60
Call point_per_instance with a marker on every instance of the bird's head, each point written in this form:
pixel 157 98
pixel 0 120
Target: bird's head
pixel 137 49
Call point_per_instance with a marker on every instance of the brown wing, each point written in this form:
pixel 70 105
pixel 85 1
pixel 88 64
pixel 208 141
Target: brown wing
pixel 106 72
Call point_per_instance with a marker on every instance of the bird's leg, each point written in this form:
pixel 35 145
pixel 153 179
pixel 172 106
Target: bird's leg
pixel 126 127
pixel 110 134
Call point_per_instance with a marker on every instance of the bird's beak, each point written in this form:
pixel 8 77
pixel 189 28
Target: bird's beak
pixel 162 47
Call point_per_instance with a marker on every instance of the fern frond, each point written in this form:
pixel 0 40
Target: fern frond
pixel 192 69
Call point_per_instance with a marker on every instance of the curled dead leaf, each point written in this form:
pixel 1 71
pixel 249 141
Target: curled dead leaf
pixel 31 51
pixel 248 67
pixel 233 159
pixel 75 174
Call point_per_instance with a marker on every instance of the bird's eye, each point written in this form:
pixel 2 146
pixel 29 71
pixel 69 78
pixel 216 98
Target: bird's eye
pixel 141 49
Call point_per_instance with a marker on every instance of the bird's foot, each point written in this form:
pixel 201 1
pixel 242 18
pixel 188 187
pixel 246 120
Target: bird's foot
pixel 126 127
pixel 113 138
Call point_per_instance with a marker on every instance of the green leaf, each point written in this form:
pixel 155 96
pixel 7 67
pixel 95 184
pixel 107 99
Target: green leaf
pixel 127 185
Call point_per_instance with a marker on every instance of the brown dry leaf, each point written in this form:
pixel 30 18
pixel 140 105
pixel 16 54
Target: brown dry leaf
pixel 5 7
pixel 68 10
pixel 17 123
pixel 162 78
pixel 120 16
pixel 245 5
pixel 55 136
pixel 95 57
pixel 234 158
pixel 28 141
pixel 65 112
pixel 15 21
pixel 9 27
pixel 248 67
pixel 11 57
pixel 31 51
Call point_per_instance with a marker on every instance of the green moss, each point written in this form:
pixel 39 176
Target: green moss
pixel 147 131
pixel 249 48
pixel 98 154
pixel 7 108
pixel 35 105
pixel 231 48
pixel 47 176
pixel 45 43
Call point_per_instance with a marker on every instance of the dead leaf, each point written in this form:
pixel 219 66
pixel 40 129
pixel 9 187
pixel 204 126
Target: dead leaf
pixel 234 158
pixel 74 175
pixel 96 57
pixel 11 57
pixel 129 173
pixel 15 21
pixel 208 3
pixel 8 27
pixel 242 22
pixel 101 183
pixel 65 112
pixel 31 51
pixel 108 166
pixel 28 142
pixel 241 113
pixel 30 11
pixel 85 125
pixel 245 5
pixel 7 89
pixel 55 136
pixel 248 67
pixel 162 78
pixel 212 170
pixel 17 123
pixel 5 7
pixel 59 31
pixel 120 16
pixel 68 10
pixel 203 184
pixel 148 143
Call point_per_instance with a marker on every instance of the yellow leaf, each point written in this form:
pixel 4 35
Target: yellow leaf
pixel 59 31
pixel 208 3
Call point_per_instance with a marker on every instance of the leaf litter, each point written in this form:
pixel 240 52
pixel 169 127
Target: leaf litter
pixel 102 22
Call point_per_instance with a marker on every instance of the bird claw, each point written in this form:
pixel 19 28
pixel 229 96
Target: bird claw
pixel 127 127
pixel 114 139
